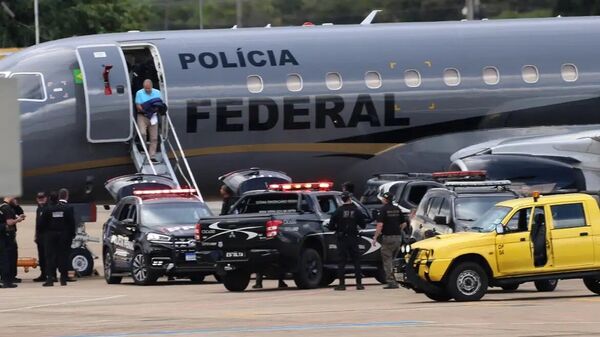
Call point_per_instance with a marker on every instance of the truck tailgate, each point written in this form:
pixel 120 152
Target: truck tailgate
pixel 234 232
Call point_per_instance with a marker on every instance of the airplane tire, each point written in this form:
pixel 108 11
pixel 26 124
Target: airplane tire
pixel 546 285
pixel 82 261
pixel 236 281
pixel 593 284
pixel 310 270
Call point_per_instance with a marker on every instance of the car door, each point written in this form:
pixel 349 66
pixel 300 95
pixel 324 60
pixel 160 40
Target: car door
pixel 120 241
pixel 571 237
pixel 513 247
pixel 129 246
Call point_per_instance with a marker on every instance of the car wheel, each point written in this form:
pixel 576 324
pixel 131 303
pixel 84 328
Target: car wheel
pixel 197 278
pixel 140 272
pixel 442 297
pixel 546 285
pixel 237 280
pixel 467 282
pixel 218 278
pixel 82 261
pixel 510 287
pixel 310 270
pixel 380 275
pixel 593 284
pixel 108 270
pixel 328 278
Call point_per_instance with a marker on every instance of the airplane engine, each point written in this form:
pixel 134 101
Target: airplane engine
pixel 527 169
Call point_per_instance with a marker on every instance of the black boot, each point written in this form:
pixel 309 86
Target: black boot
pixel 48 284
pixel 41 278
pixel 9 285
pixel 341 286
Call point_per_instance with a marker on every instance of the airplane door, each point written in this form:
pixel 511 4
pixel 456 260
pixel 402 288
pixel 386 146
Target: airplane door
pixel 108 99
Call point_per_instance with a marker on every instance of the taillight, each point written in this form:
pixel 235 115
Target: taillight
pixel 272 227
pixel 198 232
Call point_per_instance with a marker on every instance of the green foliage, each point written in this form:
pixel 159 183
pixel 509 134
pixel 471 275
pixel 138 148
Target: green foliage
pixel 64 18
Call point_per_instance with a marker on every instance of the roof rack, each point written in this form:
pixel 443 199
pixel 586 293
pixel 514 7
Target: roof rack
pixel 488 183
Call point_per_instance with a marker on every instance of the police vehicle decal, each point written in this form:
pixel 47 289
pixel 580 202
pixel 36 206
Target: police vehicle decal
pixel 120 241
pixel 373 246
pixel 232 232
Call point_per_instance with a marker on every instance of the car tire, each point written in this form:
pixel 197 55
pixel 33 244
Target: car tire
pixel 109 270
pixel 593 284
pixel 380 275
pixel 197 278
pixel 467 282
pixel 329 276
pixel 310 270
pixel 218 278
pixel 546 285
pixel 140 272
pixel 82 261
pixel 510 287
pixel 442 297
pixel 236 281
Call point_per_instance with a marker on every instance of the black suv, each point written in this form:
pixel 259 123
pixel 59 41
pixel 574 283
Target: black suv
pixel 457 206
pixel 408 189
pixel 151 234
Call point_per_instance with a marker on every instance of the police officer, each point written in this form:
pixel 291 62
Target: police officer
pixel 42 200
pixel 390 224
pixel 345 222
pixel 228 199
pixel 8 244
pixel 58 229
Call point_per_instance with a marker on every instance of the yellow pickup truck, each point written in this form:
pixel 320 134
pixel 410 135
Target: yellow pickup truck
pixel 540 239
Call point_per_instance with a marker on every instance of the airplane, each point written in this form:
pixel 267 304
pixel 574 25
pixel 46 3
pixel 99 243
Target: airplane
pixel 337 102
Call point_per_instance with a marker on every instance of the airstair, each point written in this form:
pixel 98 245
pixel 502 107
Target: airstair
pixel 170 160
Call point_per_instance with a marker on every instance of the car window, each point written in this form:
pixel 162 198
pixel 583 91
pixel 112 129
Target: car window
pixel 163 214
pixel 445 208
pixel 133 213
pixel 124 212
pixel 434 207
pixel 327 203
pixel 568 216
pixel 519 221
pixel 269 203
pixel 471 208
pixel 416 193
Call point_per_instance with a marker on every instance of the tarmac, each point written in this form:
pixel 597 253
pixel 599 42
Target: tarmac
pixel 90 307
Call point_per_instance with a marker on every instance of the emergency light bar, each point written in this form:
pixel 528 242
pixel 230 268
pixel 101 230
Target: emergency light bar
pixel 171 191
pixel 459 175
pixel 489 183
pixel 319 186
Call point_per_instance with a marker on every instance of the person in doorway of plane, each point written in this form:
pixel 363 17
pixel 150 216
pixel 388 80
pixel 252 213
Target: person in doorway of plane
pixel 147 119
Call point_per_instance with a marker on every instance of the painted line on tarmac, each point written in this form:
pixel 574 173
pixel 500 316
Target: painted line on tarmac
pixel 62 303
pixel 306 327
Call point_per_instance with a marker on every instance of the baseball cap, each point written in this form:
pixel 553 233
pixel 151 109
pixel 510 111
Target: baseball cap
pixel 41 195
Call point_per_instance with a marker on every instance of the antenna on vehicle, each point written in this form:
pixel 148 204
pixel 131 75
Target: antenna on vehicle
pixel 370 17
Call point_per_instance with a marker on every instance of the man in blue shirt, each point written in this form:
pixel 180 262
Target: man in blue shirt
pixel 145 124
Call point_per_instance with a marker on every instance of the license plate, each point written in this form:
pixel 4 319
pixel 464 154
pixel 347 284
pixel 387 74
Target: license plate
pixel 233 255
pixel 190 256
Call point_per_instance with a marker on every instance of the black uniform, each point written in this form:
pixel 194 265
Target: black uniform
pixel 392 218
pixel 39 238
pixel 14 257
pixel 9 238
pixel 226 206
pixel 345 221
pixel 3 245
pixel 58 229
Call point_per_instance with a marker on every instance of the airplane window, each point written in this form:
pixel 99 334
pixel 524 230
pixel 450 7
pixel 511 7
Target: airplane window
pixel 333 81
pixel 530 74
pixel 491 75
pixel 373 80
pixel 569 72
pixel 412 78
pixel 294 82
pixel 255 84
pixel 31 86
pixel 451 77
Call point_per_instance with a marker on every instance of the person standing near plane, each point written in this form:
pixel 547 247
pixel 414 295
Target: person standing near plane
pixel 58 229
pixel 148 122
pixel 345 222
pixel 8 245
pixel 390 225
pixel 42 200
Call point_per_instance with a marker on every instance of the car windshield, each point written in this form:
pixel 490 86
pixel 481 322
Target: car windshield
pixel 469 209
pixel 488 221
pixel 185 213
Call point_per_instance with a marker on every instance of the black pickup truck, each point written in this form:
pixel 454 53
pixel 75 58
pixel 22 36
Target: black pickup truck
pixel 277 232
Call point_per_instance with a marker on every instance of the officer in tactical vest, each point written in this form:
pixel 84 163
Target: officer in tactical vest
pixel 57 227
pixel 8 244
pixel 390 225
pixel 345 222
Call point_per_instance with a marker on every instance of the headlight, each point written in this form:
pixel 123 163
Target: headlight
pixel 405 249
pixel 155 237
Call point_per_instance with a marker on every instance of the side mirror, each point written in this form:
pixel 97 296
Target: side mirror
pixel 440 220
pixel 500 228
